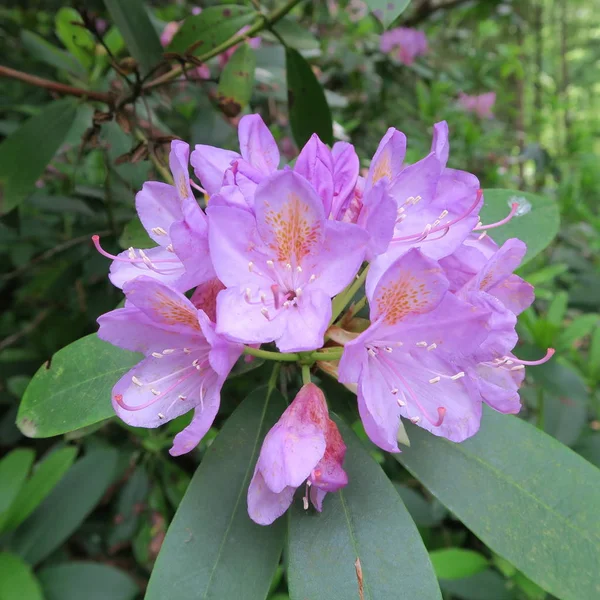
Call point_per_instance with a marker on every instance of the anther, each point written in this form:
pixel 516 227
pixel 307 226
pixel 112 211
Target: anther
pixel 388 349
pixel 270 264
pixel 435 379
pixel 482 236
pixel 431 347
pixel 195 362
pixel 394 391
pixel 158 231
pixel 422 344
pixel 458 376
pixel 264 312
pixel 137 381
pixel 181 397
pixel 247 294
pixel 131 253
pixel 298 291
pixel 517 368
pixel 170 248
pixel 415 420
pixel 299 269
pixel 443 214
pixel 250 266
pixel 401 402
pixel 161 416
pixel 155 392
pixel 312 278
pixel 288 267
pixel 168 351
pixel 157 355
pixel 187 351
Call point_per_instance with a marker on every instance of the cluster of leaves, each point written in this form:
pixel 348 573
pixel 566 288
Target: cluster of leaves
pixel 102 510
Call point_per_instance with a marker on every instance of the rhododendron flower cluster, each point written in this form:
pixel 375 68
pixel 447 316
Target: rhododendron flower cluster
pixel 276 257
pixel 480 105
pixel 404 44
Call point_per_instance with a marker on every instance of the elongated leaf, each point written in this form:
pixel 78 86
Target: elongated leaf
pixel 13 472
pixel 140 37
pixel 537 227
pixel 77 580
pixel 77 39
pixel 45 476
pixel 297 36
pixel 17 580
pixel 213 549
pixel 487 585
pixel 456 563
pixel 25 154
pixel 202 33
pixel 51 55
pixel 309 112
pixel 366 521
pixel 525 495
pixel 387 11
pixel 73 389
pixel 69 503
pixel 237 81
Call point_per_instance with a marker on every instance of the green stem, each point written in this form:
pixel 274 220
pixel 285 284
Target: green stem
pixel 273 379
pixel 305 374
pixel 268 355
pixel 329 354
pixel 263 22
pixel 341 300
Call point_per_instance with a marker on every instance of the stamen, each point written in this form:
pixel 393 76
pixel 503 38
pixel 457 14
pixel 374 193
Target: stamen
pixel 394 391
pixel 168 351
pixel 514 207
pixel 288 267
pixel 443 214
pixel 432 347
pixel 155 392
pixel 298 292
pixel 299 269
pixel 421 344
pixel 157 355
pixel 270 264
pixel 265 313
pixel 182 397
pixel 517 368
pixel 161 416
pixel 247 295
pixel 158 231
pixel 415 420
pixel 250 266
pixel 482 236
pixel 458 376
pixel 187 351
pixel 169 248
pixel 199 188
pixel 312 278
pixel 401 402
pixel 388 349
pixel 137 381
pixel 435 379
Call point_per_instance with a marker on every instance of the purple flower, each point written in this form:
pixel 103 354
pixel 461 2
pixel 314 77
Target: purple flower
pixel 259 158
pixel 404 44
pixel 405 362
pixel 281 264
pixel 185 366
pixel 174 220
pixel 303 446
pixel 480 105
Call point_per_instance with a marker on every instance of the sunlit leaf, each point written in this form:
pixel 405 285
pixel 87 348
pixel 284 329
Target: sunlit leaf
pixel 456 563
pixel 17 580
pixel 73 389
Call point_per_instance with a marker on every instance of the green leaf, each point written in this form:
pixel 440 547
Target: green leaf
pixel 25 154
pixel 309 112
pixel 423 513
pixel 364 521
pixel 45 476
pixel 237 81
pixel 140 37
pixel 578 328
pixel 73 389
pixel 17 580
pixel 69 503
pixel 76 38
pixel 135 236
pixel 487 585
pixel 202 33
pixel 297 36
pixel 13 472
pixel 212 548
pixel 525 495
pixel 387 11
pixel 537 228
pixel 77 580
pixel 44 51
pixel 456 563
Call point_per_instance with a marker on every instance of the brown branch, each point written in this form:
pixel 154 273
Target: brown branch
pixel 54 86
pixel 31 326
pixel 427 9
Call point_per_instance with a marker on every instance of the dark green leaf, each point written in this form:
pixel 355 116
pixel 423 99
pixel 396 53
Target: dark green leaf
pixel 73 389
pixel 17 581
pixel 14 468
pixel 537 228
pixel 140 37
pixel 212 548
pixel 237 81
pixel 69 503
pixel 364 521
pixel 297 36
pixel 44 51
pixel 25 154
pixel 77 580
pixel 309 112
pixel 387 11
pixel 76 39
pixel 525 495
pixel 487 585
pixel 135 236
pixel 43 479
pixel 456 563
pixel 423 513
pixel 202 33
pixel 589 448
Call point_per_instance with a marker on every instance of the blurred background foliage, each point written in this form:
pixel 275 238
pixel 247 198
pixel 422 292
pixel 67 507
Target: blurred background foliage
pixel 92 526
